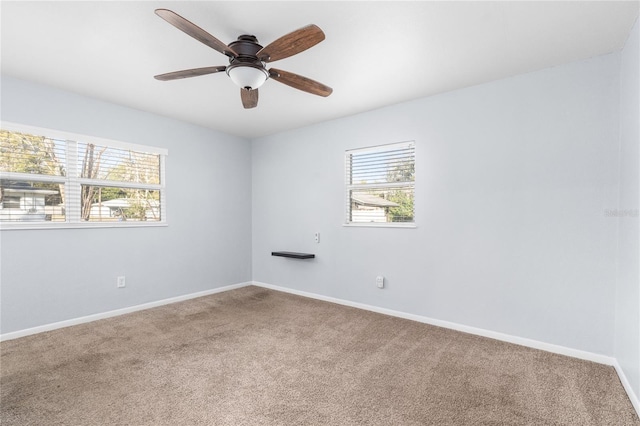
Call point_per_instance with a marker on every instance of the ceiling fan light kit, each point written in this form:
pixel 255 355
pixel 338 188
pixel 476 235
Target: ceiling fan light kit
pixel 247 77
pixel 247 59
pixel 246 70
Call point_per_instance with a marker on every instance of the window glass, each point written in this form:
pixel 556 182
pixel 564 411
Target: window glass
pixel 381 185
pixel 72 180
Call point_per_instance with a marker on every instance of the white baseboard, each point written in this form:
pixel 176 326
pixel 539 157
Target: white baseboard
pixel 562 350
pixel 557 349
pixel 589 356
pixel 627 387
pixel 116 312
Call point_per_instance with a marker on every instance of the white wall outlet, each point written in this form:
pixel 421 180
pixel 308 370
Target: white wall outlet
pixel 120 282
pixel 380 281
pixel 317 237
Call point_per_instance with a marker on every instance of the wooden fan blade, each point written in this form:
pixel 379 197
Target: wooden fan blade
pixel 195 31
pixel 291 44
pixel 249 98
pixel 299 82
pixel 194 72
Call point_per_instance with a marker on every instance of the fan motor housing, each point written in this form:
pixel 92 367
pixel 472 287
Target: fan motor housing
pixel 247 47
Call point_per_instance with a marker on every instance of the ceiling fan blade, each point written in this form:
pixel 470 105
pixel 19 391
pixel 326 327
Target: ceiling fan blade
pixel 195 31
pixel 249 98
pixel 299 82
pixel 194 72
pixel 291 44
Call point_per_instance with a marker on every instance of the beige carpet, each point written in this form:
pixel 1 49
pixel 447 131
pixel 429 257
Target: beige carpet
pixel 259 357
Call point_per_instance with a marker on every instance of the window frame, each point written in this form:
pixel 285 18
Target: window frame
pixel 73 183
pixel 350 186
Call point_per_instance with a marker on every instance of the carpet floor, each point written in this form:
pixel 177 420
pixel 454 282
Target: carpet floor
pixel 253 356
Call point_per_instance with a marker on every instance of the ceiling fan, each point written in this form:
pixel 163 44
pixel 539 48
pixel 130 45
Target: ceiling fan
pixel 247 59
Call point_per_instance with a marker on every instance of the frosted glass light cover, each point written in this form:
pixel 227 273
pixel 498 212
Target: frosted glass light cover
pixel 246 76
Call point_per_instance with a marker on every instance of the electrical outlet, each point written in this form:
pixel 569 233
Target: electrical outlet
pixel 317 237
pixel 380 281
pixel 121 283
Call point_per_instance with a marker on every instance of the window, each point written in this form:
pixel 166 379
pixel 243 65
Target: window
pixel 380 185
pixel 54 179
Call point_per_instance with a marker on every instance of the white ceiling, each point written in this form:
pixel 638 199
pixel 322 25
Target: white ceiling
pixel 375 53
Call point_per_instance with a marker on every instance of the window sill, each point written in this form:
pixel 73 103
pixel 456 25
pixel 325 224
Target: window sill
pixel 92 225
pixel 380 225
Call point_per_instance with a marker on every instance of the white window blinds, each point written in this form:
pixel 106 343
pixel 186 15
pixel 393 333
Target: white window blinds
pixel 380 185
pixel 74 179
pixel 117 164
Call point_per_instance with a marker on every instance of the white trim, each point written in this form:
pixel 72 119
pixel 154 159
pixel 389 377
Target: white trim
pixel 73 182
pixel 535 344
pixel 119 184
pixel 116 312
pixel 350 186
pixel 557 349
pixel 33 177
pixel 383 147
pixel 562 350
pixel 627 386
pixel 380 225
pixel 21 226
pixel 73 198
pixel 410 184
pixel 163 193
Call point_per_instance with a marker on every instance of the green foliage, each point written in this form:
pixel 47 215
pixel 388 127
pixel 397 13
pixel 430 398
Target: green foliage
pixel 140 201
pixel 404 212
pixel 137 211
pixel 53 199
pixel 25 153
pixel 37 154
pixel 403 172
pixel 110 193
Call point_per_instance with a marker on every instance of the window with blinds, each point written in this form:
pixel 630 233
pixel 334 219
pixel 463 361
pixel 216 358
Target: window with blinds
pixel 118 184
pixel 380 185
pixel 65 179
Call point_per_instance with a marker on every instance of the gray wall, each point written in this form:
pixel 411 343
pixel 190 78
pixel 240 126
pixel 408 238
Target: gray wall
pixel 513 178
pixel 54 275
pixel 627 326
